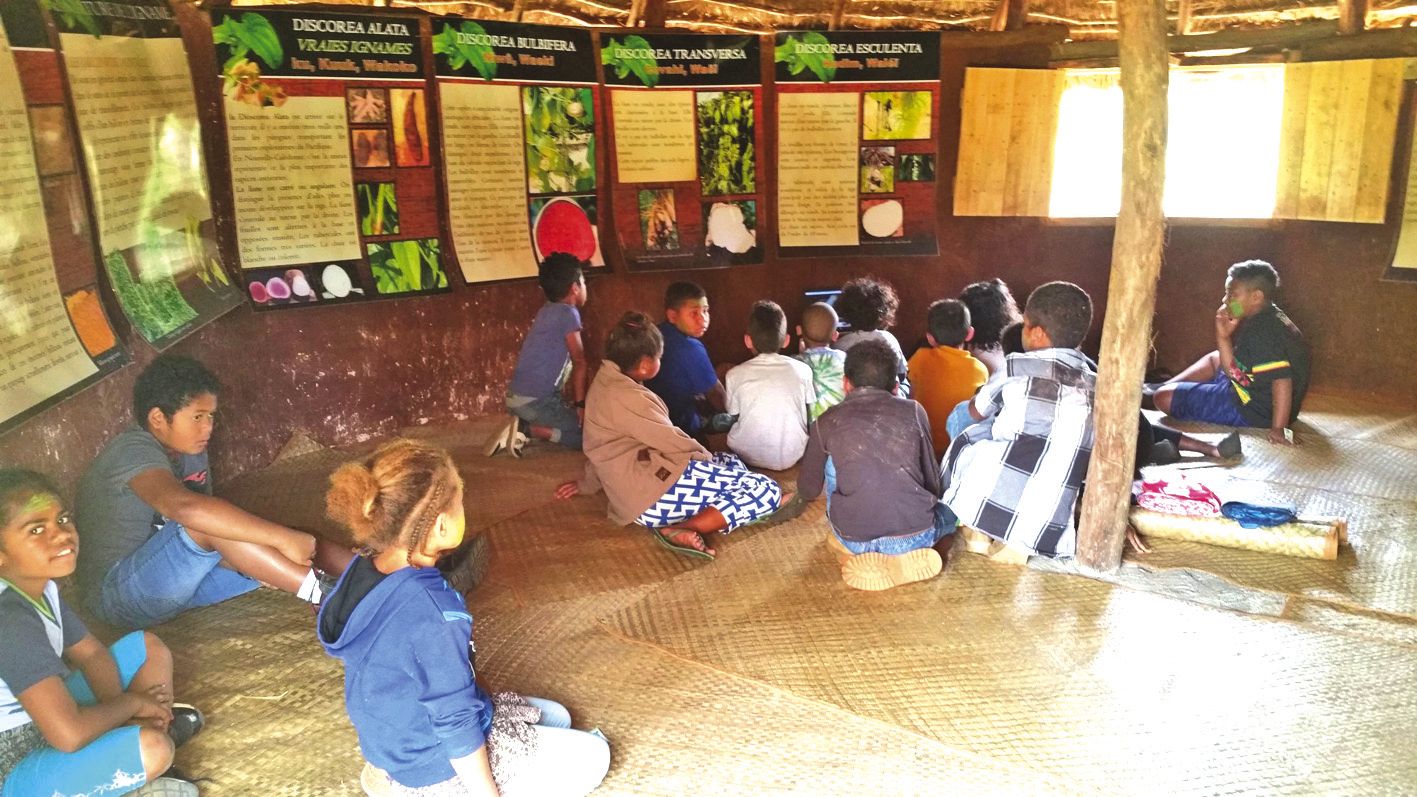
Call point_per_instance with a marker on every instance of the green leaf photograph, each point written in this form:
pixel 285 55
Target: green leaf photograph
pixel 460 52
pixel 560 139
pixel 378 209
pixel 727 161
pixel 154 305
pixel 798 58
pixel 627 57
pixel 889 115
pixel 406 266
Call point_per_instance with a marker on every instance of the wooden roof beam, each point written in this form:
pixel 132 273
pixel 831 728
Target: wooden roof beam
pixel 1184 18
pixel 1288 36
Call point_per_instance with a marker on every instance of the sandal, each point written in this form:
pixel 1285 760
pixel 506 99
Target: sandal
pixel 662 535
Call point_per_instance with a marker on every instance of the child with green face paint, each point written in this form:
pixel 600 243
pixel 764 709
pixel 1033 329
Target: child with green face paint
pixel 1259 371
pixel 75 717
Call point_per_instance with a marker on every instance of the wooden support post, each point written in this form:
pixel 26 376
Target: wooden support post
pixel 1010 15
pixel 1352 16
pixel 636 8
pixel 838 12
pixel 1131 292
pixel 515 15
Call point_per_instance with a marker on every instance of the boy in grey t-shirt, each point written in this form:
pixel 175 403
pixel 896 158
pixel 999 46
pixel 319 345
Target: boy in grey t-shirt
pixel 156 542
pixel 552 354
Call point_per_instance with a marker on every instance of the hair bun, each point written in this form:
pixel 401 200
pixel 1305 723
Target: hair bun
pixel 353 498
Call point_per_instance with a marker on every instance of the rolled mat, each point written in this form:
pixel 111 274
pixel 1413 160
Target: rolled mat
pixel 1315 538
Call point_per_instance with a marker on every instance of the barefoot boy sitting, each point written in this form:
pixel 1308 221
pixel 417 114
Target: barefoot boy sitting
pixel 1259 371
pixel 872 455
pixel 1015 474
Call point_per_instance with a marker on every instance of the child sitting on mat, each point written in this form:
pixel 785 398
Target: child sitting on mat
pixel 815 336
pixel 770 394
pixel 425 725
pixel 1015 474
pixel 943 372
pixel 872 456
pixel 75 717
pixel 1259 371
pixel 652 472
pixel 992 309
pixel 687 380
pixel 868 306
pixel 552 356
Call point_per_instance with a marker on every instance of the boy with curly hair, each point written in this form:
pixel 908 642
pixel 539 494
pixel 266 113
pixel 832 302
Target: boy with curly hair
pixel 868 306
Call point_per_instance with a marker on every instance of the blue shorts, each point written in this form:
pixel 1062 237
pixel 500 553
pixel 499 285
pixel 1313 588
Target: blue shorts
pixel 1212 402
pixel 110 764
pixel 166 576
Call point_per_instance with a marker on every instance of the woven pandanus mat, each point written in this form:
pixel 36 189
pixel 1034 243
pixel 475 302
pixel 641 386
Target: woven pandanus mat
pixel 678 727
pixel 1349 620
pixel 1359 419
pixel 1062 674
pixel 274 701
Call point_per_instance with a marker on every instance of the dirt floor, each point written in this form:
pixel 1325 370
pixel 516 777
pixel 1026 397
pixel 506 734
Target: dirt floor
pixel 1193 670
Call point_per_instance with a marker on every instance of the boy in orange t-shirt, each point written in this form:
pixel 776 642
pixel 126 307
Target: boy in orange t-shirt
pixel 945 374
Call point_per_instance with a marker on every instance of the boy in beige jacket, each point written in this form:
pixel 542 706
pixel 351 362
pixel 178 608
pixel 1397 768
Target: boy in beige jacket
pixel 654 474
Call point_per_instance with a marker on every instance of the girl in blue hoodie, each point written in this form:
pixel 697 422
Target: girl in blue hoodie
pixel 425 726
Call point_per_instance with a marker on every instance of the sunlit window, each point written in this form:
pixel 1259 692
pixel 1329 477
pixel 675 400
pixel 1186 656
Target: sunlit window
pixel 1222 149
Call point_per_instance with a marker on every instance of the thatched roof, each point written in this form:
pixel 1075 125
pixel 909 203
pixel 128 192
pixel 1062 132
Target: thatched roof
pixel 1086 19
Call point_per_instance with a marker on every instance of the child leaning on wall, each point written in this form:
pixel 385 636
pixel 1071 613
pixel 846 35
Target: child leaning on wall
pixel 869 305
pixel 552 359
pixel 1259 371
pixel 653 473
pixel 75 717
pixel 156 541
pixel 815 336
pixel 944 374
pixel 871 455
pixel 425 725
pixel 770 394
pixel 686 379
pixel 1015 474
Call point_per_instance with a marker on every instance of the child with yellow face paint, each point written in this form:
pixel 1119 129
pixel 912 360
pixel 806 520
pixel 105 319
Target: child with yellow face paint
pixel 75 717
pixel 425 726
pixel 1259 371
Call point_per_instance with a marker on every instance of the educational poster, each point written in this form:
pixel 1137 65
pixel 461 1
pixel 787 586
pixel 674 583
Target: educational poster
pixel 55 338
pixel 332 157
pixel 137 118
pixel 686 127
pixel 519 105
pixel 857 143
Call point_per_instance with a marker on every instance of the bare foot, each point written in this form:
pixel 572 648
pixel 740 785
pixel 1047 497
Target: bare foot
pixel 687 538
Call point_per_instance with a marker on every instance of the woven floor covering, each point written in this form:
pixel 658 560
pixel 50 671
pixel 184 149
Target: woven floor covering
pixel 762 673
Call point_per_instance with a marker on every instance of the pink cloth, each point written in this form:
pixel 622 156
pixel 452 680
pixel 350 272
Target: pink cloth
pixel 1174 494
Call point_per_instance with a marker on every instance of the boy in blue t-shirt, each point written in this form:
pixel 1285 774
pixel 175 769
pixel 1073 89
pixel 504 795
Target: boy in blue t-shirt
pixel 552 352
pixel 686 375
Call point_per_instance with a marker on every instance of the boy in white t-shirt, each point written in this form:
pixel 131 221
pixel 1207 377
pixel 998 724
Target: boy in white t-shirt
pixel 771 394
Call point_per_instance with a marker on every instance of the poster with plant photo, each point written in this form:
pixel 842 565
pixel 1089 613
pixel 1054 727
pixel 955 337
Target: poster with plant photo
pixel 686 132
pixel 140 136
pixel 857 141
pixel 57 338
pixel 327 125
pixel 519 107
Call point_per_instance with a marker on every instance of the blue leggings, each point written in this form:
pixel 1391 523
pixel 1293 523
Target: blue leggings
pixel 110 764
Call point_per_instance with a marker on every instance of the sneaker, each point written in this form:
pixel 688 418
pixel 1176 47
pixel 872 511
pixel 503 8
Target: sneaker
pixel 167 787
pixel 517 437
pixel 187 721
pixel 877 571
pixel 499 439
pixel 374 782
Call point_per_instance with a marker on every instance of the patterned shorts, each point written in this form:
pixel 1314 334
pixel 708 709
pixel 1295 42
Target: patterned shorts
pixel 725 484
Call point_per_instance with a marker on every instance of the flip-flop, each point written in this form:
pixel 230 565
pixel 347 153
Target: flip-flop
pixel 683 550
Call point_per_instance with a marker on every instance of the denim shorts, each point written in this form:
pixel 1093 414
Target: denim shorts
pixel 112 763
pixel 550 411
pixel 166 576
pixel 1213 402
pixel 945 524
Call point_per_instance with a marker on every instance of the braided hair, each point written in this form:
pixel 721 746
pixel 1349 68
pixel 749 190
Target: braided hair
pixel 393 497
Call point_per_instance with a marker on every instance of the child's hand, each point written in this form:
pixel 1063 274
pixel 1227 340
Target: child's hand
pixel 1282 437
pixel 159 693
pixel 149 712
pixel 1225 323
pixel 568 490
pixel 298 548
